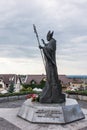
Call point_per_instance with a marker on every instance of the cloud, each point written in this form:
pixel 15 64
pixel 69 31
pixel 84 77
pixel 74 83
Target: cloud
pixel 12 51
pixel 80 39
pixel 68 19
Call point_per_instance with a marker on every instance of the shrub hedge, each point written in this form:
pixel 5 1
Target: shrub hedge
pixel 41 85
pixel 18 93
pixel 84 92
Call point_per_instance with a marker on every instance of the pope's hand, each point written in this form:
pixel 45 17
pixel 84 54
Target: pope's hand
pixel 40 47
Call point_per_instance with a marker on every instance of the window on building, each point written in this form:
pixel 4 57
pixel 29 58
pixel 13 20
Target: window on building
pixel 0 85
pixel 33 82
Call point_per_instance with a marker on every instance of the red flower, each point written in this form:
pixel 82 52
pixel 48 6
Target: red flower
pixel 32 96
pixel 29 96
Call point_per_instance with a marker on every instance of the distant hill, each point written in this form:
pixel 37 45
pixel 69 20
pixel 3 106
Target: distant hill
pixel 77 76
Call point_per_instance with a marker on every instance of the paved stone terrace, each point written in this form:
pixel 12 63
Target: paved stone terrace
pixel 10 121
pixel 18 103
pixel 11 104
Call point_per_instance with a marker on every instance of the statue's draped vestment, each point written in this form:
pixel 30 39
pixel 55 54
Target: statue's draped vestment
pixel 52 91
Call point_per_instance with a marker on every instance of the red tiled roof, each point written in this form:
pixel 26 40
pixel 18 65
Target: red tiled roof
pixel 7 77
pixel 39 78
pixel 77 81
pixel 64 79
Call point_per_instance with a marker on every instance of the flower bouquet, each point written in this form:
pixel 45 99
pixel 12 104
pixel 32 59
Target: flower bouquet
pixel 34 97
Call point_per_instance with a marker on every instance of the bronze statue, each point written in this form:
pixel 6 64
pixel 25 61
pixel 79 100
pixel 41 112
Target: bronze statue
pixel 52 92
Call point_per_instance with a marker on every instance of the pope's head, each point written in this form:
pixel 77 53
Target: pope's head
pixel 49 35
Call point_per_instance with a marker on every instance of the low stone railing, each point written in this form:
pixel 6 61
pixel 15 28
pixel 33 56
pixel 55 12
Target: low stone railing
pixel 78 97
pixel 12 98
pixel 21 97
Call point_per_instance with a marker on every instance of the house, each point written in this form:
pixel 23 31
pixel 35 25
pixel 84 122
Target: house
pixel 17 83
pixel 65 81
pixel 76 84
pixel 2 85
pixel 5 80
pixel 36 79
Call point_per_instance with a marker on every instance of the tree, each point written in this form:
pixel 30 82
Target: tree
pixel 11 87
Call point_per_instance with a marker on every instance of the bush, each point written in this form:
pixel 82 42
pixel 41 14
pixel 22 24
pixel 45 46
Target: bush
pixel 23 89
pixel 29 89
pixel 41 85
pixel 84 92
pixel 17 94
pixel 11 87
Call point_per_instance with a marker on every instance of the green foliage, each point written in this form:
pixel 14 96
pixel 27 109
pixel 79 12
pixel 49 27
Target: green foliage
pixel 41 85
pixel 29 89
pixel 84 92
pixel 17 94
pixel 25 86
pixel 11 87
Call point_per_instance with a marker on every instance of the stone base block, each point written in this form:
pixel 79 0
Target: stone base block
pixel 51 113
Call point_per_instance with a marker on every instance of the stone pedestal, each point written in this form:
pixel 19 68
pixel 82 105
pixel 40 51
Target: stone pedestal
pixel 51 113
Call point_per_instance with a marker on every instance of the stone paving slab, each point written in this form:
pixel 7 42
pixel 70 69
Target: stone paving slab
pixel 10 114
pixel 9 110
pixel 6 125
pixel 51 113
pixel 11 104
pixel 18 103
pixel 85 128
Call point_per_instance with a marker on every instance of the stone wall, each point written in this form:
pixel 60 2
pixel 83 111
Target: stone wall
pixel 12 98
pixel 20 97
pixel 78 97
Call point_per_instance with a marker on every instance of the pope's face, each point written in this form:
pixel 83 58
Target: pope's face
pixel 48 38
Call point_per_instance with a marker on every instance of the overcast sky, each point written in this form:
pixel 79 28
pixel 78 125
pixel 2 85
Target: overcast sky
pixel 19 51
